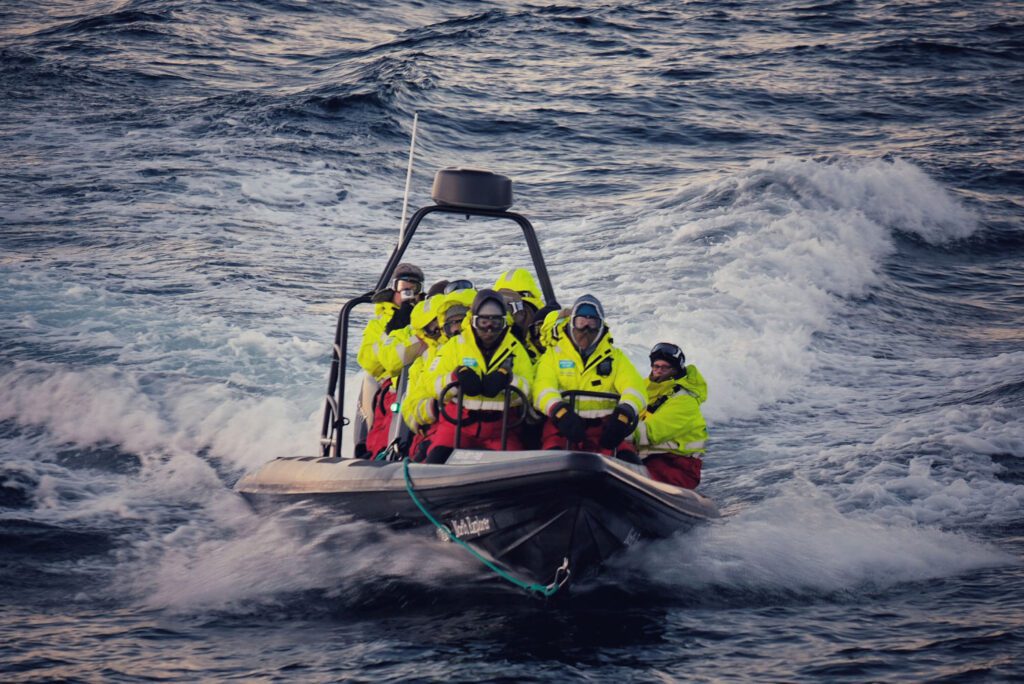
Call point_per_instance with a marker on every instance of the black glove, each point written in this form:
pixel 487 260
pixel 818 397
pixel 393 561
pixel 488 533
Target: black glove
pixel 469 381
pixel 568 423
pixel 493 383
pixel 616 427
pixel 400 319
pixel 385 295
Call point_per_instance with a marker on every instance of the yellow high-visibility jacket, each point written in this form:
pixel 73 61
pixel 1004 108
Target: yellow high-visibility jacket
pixel 418 404
pixel 369 347
pixel 401 348
pixel 462 350
pixel 673 422
pixel 608 370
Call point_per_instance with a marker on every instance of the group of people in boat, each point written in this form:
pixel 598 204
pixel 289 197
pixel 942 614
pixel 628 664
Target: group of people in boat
pixel 488 350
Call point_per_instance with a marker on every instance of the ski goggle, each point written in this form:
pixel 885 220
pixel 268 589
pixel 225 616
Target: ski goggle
pixel 452 326
pixel 402 285
pixel 457 285
pixel 514 306
pixel 586 323
pixel 489 323
pixel 433 331
pixel 667 350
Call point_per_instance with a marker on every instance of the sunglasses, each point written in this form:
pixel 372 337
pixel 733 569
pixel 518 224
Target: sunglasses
pixel 586 323
pixel 489 323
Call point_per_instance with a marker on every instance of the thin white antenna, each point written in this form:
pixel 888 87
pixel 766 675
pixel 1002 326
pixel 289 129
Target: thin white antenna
pixel 408 177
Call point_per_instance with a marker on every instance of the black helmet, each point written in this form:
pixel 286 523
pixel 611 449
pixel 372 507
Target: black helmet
pixel 670 353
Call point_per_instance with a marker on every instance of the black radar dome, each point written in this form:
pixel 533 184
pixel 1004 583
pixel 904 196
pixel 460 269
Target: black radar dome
pixel 472 189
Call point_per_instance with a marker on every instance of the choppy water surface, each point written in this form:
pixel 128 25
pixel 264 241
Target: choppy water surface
pixel 821 201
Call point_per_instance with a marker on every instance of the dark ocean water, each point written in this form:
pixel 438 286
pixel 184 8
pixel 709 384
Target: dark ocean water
pixel 823 202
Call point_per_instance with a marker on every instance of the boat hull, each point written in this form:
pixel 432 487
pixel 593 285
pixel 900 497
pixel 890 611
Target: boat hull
pixel 534 513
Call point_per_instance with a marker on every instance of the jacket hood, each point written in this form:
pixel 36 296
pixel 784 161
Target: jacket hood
pixel 694 382
pixel 484 296
pixel 521 281
pixel 587 305
pixel 463 298
pixel 425 312
pixel 587 302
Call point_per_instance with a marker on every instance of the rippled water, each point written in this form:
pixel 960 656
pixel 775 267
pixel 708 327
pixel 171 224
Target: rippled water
pixel 821 201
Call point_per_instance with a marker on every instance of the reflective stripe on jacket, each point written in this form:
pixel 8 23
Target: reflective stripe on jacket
pixel 675 425
pixel 561 368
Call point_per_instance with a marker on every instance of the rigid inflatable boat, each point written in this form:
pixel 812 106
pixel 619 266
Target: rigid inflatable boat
pixel 540 519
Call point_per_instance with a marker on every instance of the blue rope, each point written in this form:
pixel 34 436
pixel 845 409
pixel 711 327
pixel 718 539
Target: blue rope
pixel 544 590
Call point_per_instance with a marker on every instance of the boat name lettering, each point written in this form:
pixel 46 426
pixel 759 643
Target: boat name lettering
pixel 471 526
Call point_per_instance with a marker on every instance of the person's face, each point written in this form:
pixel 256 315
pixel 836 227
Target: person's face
pixel 661 370
pixel 432 331
pixel 453 326
pixel 522 315
pixel 405 291
pixel 489 323
pixel 584 330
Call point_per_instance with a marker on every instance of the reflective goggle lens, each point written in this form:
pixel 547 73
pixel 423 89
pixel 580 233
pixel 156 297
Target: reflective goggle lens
pixel 452 326
pixel 489 322
pixel 433 331
pixel 586 323
pixel 401 284
pixel 457 285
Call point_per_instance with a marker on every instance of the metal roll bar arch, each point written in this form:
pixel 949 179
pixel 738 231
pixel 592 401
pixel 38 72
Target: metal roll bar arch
pixel 334 401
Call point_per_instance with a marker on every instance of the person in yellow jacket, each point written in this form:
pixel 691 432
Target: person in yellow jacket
pixel 530 308
pixel 404 350
pixel 672 434
pixel 583 358
pixel 484 359
pixel 392 308
pixel 419 408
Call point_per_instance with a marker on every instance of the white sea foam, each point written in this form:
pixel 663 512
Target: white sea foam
pixel 247 557
pixel 103 405
pixel 744 271
pixel 799 542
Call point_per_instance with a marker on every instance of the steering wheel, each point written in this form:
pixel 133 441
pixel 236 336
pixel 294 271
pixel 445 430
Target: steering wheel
pixel 571 396
pixel 508 391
